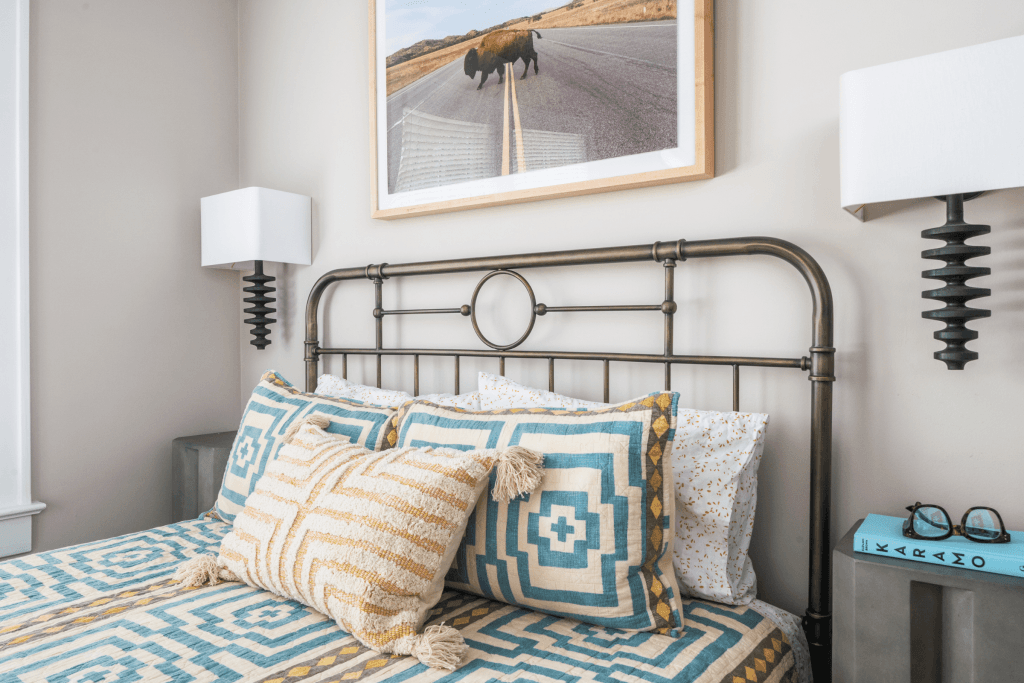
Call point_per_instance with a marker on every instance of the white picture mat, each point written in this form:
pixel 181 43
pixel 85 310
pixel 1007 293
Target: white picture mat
pixel 683 155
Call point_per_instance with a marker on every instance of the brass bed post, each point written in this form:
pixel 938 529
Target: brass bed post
pixel 312 343
pixel 312 363
pixel 817 620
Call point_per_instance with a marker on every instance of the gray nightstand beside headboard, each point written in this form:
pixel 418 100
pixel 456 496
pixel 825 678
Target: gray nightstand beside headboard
pixel 198 464
pixel 898 620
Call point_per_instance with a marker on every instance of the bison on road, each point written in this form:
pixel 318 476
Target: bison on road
pixel 505 46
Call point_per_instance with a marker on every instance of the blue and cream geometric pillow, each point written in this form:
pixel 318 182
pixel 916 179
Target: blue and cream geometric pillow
pixel 715 458
pixel 593 541
pixel 273 407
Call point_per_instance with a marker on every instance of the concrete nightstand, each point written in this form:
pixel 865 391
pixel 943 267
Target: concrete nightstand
pixel 198 464
pixel 902 621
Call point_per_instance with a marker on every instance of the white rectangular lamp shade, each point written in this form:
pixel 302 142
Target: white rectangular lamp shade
pixel 946 123
pixel 256 224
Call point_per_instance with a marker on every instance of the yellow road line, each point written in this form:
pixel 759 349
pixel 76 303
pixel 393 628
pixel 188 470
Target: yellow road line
pixel 520 153
pixel 504 133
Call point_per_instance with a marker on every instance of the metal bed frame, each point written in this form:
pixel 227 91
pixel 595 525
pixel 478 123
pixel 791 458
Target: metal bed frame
pixel 819 363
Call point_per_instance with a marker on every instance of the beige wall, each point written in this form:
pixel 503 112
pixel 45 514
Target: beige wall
pixel 905 428
pixel 134 117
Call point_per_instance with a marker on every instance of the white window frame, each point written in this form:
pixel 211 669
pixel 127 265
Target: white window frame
pixel 16 504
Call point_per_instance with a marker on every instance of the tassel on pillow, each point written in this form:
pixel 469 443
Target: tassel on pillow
pixel 519 471
pixel 318 419
pixel 202 570
pixel 439 647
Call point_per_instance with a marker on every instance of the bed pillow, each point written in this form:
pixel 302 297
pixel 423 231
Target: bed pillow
pixel 338 387
pixel 364 537
pixel 274 406
pixel 715 458
pixel 593 541
pixel 498 393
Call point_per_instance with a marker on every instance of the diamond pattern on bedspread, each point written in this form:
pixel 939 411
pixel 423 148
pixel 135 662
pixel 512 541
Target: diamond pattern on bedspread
pixel 109 611
pixel 93 570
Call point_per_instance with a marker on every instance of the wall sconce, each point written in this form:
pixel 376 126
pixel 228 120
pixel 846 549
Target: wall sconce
pixel 244 228
pixel 948 126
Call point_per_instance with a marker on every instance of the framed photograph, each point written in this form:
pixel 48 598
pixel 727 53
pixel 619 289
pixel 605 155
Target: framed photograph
pixel 494 102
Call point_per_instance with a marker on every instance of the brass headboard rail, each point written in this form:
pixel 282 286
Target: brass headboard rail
pixel 819 362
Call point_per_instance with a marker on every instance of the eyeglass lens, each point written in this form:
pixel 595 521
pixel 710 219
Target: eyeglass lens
pixel 982 524
pixel 931 522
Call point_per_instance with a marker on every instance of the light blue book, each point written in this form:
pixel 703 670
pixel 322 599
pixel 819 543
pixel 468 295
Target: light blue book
pixel 883 535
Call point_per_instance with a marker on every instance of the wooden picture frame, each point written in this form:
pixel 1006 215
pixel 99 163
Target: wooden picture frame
pixel 403 165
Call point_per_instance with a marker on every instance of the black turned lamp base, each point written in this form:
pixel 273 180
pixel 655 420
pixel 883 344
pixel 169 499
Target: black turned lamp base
pixel 259 310
pixel 956 293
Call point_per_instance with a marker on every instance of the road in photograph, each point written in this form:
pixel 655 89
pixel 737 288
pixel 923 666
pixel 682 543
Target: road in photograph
pixel 602 92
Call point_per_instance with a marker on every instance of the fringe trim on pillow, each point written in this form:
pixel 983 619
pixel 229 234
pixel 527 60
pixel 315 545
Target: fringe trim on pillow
pixel 439 647
pixel 318 419
pixel 202 570
pixel 520 470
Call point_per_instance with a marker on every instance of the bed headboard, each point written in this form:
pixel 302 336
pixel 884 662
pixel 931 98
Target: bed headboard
pixel 819 363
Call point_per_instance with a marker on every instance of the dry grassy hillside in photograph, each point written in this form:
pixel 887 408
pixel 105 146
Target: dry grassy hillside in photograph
pixel 405 73
pixel 593 12
pixel 577 13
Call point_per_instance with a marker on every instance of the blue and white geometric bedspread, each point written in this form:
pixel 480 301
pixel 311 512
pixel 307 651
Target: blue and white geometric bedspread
pixel 109 611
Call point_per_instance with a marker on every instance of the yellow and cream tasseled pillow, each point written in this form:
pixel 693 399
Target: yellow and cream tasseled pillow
pixel 364 537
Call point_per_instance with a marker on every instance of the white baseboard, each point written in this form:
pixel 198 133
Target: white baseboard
pixel 16 528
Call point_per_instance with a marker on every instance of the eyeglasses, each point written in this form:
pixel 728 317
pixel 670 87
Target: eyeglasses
pixel 932 523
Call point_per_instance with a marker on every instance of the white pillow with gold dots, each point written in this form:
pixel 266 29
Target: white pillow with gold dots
pixel 715 457
pixel 497 392
pixel 338 387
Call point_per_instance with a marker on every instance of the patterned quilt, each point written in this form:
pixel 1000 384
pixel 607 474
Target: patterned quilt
pixel 109 611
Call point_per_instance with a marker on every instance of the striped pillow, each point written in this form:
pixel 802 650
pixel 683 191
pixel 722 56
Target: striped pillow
pixel 275 405
pixel 592 542
pixel 363 537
